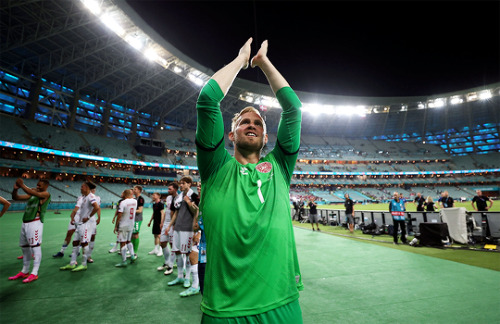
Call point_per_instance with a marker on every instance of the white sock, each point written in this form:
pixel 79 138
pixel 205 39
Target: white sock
pixel 123 251
pixel 194 272
pixel 63 247
pixel 91 247
pixel 85 254
pixel 157 248
pixel 74 254
pixel 188 268
pixel 130 247
pixel 166 255
pixel 183 262
pixel 26 259
pixel 180 263
pixel 173 257
pixel 37 259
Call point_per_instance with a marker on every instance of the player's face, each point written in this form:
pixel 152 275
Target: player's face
pixel 136 191
pixel 84 189
pixel 249 132
pixel 40 186
pixel 171 190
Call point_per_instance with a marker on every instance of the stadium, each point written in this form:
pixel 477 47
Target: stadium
pixel 89 91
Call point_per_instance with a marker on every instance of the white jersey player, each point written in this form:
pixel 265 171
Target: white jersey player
pixel 89 207
pixel 125 220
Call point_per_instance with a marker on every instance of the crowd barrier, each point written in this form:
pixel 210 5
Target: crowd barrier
pixel 488 223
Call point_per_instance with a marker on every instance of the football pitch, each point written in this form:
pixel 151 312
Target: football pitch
pixel 346 281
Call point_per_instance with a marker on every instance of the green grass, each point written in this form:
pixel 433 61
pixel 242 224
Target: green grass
pixel 483 259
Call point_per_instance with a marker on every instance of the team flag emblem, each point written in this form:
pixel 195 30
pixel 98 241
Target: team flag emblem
pixel 264 167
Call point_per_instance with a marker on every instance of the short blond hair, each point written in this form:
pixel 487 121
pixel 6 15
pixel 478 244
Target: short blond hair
pixel 244 111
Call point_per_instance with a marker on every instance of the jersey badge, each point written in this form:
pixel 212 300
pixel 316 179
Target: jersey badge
pixel 264 167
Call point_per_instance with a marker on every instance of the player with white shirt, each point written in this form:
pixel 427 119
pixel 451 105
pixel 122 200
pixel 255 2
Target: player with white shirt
pixel 125 220
pixel 75 214
pixel 89 207
pixel 166 237
pixel 93 225
pixel 182 221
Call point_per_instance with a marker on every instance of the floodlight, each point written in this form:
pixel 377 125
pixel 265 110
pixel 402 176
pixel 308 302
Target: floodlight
pixel 456 100
pixel 93 6
pixel 177 69
pixel 195 79
pixel 112 24
pixel 151 54
pixel 485 95
pixel 135 41
pixel 472 96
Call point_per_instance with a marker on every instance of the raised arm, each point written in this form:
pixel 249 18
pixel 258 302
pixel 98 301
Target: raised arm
pixel 228 73
pixel 274 77
pixel 6 205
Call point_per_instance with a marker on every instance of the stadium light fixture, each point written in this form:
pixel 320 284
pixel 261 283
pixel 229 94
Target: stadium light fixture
pixel 135 41
pixel 110 22
pixel 177 69
pixel 195 79
pixel 472 96
pixel 93 6
pixel 152 55
pixel 456 100
pixel 484 95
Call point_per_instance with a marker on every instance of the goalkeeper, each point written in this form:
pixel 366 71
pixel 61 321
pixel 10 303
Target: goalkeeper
pixel 252 271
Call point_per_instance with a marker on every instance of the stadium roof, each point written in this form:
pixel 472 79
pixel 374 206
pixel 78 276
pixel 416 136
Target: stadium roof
pixel 103 55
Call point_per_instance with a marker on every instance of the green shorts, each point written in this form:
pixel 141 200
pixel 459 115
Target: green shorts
pixel 289 314
pixel 137 227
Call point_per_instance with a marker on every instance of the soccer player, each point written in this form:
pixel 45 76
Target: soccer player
pixel 89 207
pixel 252 271
pixel 138 217
pixel 30 240
pixel 182 221
pixel 116 248
pixel 481 201
pixel 397 210
pixel 124 227
pixel 74 218
pixel 156 217
pixel 93 226
pixel 167 237
pixel 6 204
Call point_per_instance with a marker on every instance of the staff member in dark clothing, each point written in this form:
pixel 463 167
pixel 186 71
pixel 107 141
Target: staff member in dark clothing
pixel 420 201
pixel 158 211
pixel 481 202
pixel 313 214
pixel 349 212
pixel 446 201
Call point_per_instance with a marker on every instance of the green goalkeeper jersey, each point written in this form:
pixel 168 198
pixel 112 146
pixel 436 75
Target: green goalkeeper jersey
pixel 252 264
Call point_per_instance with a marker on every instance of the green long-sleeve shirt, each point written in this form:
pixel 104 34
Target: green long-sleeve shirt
pixel 252 264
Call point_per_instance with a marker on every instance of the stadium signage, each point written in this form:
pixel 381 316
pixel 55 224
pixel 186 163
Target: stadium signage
pixel 187 167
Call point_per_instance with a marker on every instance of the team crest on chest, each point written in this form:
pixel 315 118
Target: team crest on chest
pixel 264 167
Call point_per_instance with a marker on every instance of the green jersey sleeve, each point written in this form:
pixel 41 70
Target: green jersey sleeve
pixel 287 145
pixel 210 150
